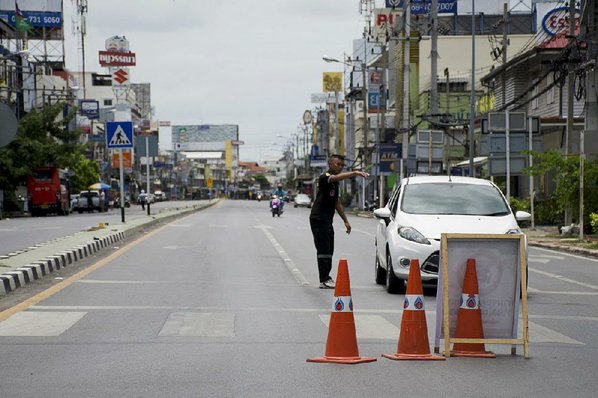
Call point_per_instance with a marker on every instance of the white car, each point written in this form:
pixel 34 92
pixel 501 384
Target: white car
pixel 424 207
pixel 301 199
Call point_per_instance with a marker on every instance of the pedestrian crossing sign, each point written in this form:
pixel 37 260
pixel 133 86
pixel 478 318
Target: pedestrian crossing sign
pixel 119 135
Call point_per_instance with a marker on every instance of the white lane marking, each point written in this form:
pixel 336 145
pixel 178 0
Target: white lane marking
pixel 565 254
pixel 532 290
pixel 554 257
pixel 179 225
pixel 176 247
pixel 562 278
pixel 103 282
pixel 285 257
pixel 541 334
pixel 193 324
pixel 39 324
pixel 534 259
pixel 370 327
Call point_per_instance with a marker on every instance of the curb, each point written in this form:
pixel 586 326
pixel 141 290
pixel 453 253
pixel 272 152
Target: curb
pixel 19 277
pixel 13 280
pixel 565 248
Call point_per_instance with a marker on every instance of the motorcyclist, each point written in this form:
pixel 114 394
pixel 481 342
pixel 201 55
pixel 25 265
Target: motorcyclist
pixel 275 201
pixel 280 193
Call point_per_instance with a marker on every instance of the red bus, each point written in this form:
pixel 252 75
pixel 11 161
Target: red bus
pixel 49 191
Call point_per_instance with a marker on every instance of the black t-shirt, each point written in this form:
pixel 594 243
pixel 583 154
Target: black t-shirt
pixel 325 204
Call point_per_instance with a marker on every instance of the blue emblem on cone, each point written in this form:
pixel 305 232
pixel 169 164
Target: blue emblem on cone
pixel 419 303
pixel 471 301
pixel 339 305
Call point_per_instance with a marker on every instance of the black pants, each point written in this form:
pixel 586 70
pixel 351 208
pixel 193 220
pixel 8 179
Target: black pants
pixel 323 233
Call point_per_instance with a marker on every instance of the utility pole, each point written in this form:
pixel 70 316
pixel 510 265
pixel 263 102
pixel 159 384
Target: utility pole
pixel 505 44
pixel 406 51
pixel 591 105
pixel 472 97
pixel 570 78
pixel 82 10
pixel 434 80
pixel 365 124
pixel 570 89
pixel 434 60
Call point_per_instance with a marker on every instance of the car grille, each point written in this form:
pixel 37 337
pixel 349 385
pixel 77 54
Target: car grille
pixel 431 264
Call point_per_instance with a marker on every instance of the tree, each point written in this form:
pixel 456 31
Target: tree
pixel 565 173
pixel 43 138
pixel 85 173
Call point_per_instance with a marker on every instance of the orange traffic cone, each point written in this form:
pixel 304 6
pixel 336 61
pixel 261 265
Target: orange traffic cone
pixel 341 345
pixel 469 318
pixel 413 339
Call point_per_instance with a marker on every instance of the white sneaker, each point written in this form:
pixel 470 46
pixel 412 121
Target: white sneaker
pixel 329 284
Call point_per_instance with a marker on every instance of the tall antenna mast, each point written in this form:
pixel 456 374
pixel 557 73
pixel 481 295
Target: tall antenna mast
pixel 80 30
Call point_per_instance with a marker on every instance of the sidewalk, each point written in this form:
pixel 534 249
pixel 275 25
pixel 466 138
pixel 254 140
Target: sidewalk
pixel 24 266
pixel 549 237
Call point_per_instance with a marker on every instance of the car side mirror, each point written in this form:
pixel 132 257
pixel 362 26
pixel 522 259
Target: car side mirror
pixel 382 213
pixel 523 216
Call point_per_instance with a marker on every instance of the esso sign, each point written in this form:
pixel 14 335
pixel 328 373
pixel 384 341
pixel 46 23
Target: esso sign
pixel 557 21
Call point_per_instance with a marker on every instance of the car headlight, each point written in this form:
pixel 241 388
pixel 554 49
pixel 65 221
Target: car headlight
pixel 413 235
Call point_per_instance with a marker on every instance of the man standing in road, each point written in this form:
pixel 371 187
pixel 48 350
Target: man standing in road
pixel 326 203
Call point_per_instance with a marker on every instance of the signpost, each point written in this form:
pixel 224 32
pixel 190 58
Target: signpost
pixel 119 135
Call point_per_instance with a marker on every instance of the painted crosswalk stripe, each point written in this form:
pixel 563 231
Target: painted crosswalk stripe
pixel 39 324
pixel 199 324
pixel 541 334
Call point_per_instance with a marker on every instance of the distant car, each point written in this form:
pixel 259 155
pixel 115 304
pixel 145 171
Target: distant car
pixel 159 196
pixel 74 201
pixel 302 199
pixel 420 209
pixel 93 198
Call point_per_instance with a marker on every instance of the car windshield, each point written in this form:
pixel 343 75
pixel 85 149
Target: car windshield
pixel 451 198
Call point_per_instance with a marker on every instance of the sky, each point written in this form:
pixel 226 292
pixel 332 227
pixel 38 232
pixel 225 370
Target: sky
pixel 251 63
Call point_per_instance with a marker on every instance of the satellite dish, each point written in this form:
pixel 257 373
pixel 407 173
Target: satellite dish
pixel 8 125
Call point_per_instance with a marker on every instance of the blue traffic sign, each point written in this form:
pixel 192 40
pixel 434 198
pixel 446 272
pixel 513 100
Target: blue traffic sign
pixel 119 135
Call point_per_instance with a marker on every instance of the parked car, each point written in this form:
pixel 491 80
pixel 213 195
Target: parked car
pixel 302 199
pixel 159 196
pixel 90 201
pixel 74 201
pixel 420 209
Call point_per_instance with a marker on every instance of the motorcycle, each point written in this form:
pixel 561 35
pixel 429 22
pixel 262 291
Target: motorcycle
pixel 117 203
pixel 259 197
pixel 276 207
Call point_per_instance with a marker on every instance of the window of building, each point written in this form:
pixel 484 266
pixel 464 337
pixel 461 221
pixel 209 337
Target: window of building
pixel 107 102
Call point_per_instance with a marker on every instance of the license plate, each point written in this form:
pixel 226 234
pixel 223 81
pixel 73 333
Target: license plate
pixel 44 206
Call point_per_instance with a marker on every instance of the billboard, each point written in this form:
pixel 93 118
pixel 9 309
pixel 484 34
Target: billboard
pixel 116 58
pixel 423 6
pixel 36 13
pixel 204 133
pixel 332 81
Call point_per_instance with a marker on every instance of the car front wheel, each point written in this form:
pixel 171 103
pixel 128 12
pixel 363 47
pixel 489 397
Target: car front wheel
pixel 394 285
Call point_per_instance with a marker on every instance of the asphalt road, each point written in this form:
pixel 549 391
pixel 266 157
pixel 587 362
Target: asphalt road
pixel 224 303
